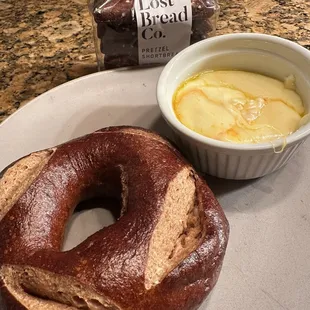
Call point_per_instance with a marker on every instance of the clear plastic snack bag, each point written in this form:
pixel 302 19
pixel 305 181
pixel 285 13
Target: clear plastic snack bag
pixel 145 32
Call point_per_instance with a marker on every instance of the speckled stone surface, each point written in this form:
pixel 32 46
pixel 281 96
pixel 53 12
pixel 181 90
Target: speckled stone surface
pixel 46 43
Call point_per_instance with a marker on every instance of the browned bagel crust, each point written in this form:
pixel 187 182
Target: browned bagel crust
pixel 112 262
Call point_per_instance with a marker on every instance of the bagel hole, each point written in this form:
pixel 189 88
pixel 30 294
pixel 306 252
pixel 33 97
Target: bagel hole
pixel 89 217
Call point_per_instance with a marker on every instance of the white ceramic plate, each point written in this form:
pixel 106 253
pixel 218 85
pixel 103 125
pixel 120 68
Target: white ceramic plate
pixel 267 265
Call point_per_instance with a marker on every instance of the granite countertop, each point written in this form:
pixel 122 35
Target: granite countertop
pixel 46 43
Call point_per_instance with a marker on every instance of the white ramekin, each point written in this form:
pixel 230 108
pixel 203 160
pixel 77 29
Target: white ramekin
pixel 265 54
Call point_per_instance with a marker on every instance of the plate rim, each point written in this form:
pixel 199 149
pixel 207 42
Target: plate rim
pixel 70 82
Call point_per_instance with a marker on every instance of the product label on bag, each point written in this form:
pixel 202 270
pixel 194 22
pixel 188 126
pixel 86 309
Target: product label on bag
pixel 164 28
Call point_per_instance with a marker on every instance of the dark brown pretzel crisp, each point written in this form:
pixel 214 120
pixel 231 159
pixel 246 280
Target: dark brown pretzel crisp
pixel 117 28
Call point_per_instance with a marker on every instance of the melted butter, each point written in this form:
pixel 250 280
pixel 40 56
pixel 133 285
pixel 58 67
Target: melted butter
pixel 239 106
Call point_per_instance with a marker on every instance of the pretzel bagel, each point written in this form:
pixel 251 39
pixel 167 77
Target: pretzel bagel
pixel 165 251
